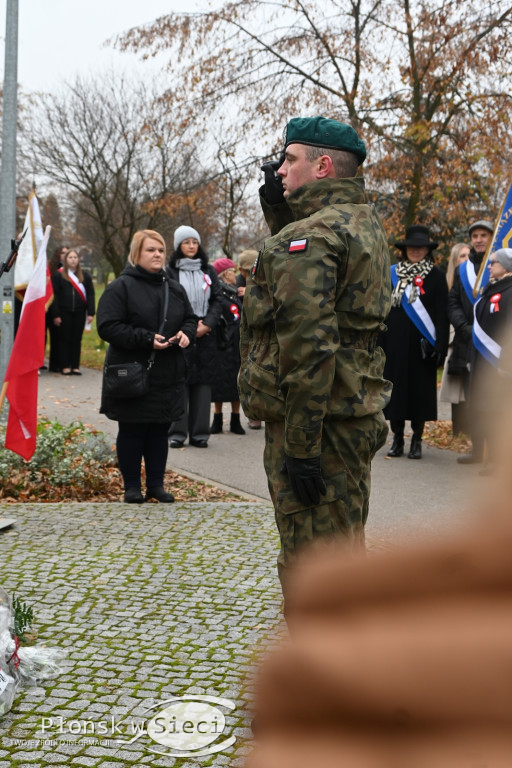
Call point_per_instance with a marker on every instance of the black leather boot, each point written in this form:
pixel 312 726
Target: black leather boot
pixel 133 496
pixel 397 448
pixel 415 450
pixel 160 494
pixel 216 427
pixel 235 425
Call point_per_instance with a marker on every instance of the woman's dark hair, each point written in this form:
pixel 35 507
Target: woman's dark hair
pixel 199 255
pixel 56 259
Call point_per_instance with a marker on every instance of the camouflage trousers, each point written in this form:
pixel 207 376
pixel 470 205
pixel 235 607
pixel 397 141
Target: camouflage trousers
pixel 347 450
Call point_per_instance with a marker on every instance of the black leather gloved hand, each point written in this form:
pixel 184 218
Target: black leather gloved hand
pixel 305 478
pixel 438 355
pixel 274 192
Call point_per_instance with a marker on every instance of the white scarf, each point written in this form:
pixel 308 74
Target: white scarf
pixel 196 284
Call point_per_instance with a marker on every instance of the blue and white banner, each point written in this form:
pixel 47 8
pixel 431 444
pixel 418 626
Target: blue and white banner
pixel 502 238
pixel 487 347
pixel 416 312
pixel 468 279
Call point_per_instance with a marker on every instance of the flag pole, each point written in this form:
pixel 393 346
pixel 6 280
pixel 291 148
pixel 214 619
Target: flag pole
pixel 8 179
pixel 483 265
pixel 2 394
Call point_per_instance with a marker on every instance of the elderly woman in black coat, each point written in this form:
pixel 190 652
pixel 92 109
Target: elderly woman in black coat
pixel 416 340
pixel 189 266
pixel 140 322
pixel 491 364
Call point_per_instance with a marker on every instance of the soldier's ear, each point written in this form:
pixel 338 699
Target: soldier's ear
pixel 325 167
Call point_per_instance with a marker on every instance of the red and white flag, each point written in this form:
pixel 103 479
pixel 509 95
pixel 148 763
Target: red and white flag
pixel 27 254
pixel 27 356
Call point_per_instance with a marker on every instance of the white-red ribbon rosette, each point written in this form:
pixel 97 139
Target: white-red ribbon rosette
pixel 495 302
pixel 418 282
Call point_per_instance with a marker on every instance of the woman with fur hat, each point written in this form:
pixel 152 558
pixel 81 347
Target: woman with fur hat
pixel 189 266
pixel 417 338
pixel 224 385
pixel 491 368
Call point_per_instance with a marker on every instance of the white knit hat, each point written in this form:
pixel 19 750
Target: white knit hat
pixel 183 233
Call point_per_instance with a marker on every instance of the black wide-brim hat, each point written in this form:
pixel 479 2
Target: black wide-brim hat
pixel 416 236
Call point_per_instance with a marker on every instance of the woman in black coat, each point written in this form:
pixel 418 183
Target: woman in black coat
pixel 130 318
pixel 224 386
pixel 73 305
pixel 189 266
pixel 491 368
pixel 416 340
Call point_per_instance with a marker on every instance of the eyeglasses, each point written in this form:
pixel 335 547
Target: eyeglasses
pixel 492 261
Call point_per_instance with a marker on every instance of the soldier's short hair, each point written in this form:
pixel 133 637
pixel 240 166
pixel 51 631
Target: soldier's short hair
pixel 345 163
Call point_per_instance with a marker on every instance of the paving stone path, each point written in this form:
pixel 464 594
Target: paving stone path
pixel 149 602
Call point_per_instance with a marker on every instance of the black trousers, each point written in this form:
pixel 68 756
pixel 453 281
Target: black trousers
pixel 71 331
pixel 138 441
pixel 398 426
pixel 54 354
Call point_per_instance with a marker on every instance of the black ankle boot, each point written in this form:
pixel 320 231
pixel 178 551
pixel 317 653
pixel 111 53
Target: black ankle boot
pixel 160 494
pixel 397 448
pixel 235 425
pixel 415 450
pixel 133 496
pixel 216 426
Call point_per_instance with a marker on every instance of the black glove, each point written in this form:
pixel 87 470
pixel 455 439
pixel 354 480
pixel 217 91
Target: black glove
pixel 274 192
pixel 305 479
pixel 438 356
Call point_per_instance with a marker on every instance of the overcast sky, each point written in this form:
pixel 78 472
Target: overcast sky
pixel 60 38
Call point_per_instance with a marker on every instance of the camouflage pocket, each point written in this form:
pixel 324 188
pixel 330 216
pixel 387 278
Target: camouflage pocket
pixel 289 504
pixel 260 394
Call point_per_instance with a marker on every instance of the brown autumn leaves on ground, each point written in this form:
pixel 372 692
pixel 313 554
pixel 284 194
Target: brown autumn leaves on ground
pixel 183 489
pixel 437 434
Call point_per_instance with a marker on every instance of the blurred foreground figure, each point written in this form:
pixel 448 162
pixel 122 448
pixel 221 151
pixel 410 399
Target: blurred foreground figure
pixel 400 660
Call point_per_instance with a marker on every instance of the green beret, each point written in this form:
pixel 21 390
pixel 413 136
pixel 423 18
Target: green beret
pixel 324 132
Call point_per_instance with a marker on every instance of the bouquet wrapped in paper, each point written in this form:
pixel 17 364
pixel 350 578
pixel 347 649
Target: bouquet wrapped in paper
pixel 20 665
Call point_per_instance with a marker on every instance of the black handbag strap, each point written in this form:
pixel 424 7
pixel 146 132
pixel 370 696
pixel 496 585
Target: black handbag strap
pixel 151 358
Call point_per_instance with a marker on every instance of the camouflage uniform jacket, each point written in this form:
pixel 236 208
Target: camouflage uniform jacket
pixel 311 317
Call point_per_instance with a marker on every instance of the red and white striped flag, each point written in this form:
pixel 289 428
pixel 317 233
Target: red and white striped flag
pixel 27 356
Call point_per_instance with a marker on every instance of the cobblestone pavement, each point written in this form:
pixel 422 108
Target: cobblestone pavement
pixel 149 602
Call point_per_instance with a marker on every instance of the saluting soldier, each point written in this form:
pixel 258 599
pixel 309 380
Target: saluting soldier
pixel 311 369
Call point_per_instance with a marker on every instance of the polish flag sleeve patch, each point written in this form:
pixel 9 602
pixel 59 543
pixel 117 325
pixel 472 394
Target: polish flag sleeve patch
pixel 298 245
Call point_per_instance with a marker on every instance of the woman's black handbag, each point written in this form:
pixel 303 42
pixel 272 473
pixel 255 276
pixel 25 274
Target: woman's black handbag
pixel 126 380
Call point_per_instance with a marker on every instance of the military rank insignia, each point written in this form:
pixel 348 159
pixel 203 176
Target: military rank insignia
pixel 298 245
